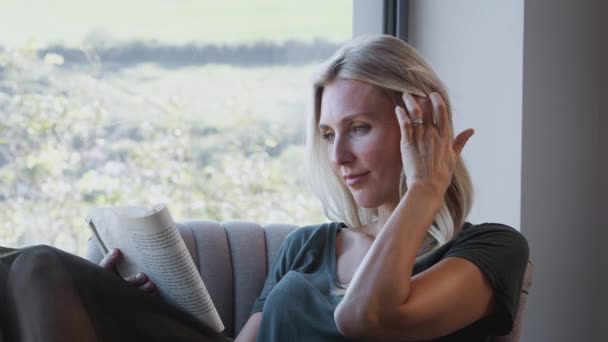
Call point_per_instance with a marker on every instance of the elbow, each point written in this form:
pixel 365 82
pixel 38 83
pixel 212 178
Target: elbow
pixel 355 323
pixel 387 324
pixel 344 323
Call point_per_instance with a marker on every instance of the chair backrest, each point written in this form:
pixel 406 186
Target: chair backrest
pixel 233 259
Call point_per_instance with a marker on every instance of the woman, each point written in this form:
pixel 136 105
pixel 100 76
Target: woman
pixel 399 263
pixel 404 265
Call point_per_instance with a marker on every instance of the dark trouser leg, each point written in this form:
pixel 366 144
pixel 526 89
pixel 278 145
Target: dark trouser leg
pixel 116 310
pixel 45 301
pixel 3 304
pixel 8 331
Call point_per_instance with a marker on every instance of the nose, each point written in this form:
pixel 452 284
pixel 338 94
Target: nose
pixel 341 152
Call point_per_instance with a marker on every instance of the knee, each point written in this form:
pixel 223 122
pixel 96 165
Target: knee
pixel 35 265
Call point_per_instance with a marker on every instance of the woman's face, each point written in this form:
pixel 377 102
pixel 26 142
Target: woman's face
pixel 362 136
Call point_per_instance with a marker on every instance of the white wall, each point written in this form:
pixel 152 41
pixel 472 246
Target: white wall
pixel 367 17
pixel 476 48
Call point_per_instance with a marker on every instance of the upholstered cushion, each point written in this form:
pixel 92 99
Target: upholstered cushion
pixel 233 259
pixel 517 325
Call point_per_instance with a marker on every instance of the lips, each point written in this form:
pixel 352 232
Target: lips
pixel 353 179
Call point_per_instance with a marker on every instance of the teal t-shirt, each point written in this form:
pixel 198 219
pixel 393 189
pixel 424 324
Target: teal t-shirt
pixel 302 290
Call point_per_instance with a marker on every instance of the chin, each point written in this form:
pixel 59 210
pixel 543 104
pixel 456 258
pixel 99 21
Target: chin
pixel 373 199
pixel 366 203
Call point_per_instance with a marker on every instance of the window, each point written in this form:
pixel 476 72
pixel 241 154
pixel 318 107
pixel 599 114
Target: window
pixel 199 104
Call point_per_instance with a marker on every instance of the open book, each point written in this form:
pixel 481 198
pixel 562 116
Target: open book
pixel 150 243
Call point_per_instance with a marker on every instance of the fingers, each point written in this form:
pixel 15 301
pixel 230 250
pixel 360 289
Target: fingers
pixel 414 111
pixel 138 279
pixel 420 108
pixel 149 287
pixel 431 110
pixel 141 281
pixel 109 261
pixel 440 114
pixel 425 105
pixel 415 115
pixel 405 124
pixel 461 140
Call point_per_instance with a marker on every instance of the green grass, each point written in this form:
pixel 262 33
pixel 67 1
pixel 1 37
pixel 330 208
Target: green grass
pixel 69 22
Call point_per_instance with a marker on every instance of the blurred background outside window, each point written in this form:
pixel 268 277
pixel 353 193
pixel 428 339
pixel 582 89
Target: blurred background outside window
pixel 199 104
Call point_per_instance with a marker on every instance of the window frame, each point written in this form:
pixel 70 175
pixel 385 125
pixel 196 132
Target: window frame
pixel 396 18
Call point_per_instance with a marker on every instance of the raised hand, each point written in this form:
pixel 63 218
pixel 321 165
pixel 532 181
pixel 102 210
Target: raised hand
pixel 428 152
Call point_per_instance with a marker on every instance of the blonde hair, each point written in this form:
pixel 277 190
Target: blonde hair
pixel 394 67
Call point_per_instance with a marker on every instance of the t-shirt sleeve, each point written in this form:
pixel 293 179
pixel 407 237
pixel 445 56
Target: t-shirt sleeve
pixel 502 254
pixel 282 263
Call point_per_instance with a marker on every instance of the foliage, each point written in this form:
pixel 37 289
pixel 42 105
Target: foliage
pixel 64 149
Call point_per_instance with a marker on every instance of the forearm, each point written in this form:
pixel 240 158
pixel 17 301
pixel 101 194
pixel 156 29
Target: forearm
pixel 382 281
pixel 251 329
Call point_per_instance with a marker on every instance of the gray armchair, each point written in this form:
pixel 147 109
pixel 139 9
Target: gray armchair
pixel 233 259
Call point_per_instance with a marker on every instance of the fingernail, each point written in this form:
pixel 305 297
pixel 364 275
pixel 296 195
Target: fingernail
pixel 114 252
pixel 408 105
pixel 139 276
pixel 399 110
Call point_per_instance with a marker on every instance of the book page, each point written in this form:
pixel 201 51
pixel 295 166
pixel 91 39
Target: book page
pixel 110 232
pixel 155 247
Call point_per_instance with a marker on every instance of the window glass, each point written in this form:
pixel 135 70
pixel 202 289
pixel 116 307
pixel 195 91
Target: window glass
pixel 198 104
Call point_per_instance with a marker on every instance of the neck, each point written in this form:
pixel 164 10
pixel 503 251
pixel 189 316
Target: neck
pixel 384 212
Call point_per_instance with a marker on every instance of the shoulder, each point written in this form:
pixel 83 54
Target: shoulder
pixel 311 234
pixel 501 239
pixel 491 231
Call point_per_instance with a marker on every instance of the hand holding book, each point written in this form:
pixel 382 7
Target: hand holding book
pixel 140 280
pixel 149 242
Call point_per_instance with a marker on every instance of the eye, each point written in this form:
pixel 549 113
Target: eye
pixel 360 128
pixel 327 136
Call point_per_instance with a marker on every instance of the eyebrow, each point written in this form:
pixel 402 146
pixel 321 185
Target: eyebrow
pixel 349 118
